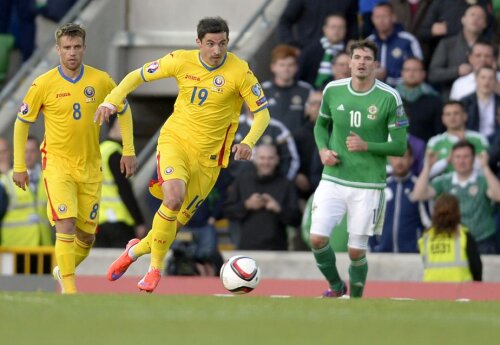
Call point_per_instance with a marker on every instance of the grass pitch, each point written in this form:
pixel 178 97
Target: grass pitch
pixel 47 318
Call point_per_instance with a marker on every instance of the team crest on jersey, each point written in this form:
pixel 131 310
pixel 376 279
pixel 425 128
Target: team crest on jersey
pixel 219 81
pixel 397 53
pixel 169 170
pixel 372 112
pixel 153 66
pixel 23 109
pixel 89 92
pixel 62 208
pixel 257 89
pixel 473 190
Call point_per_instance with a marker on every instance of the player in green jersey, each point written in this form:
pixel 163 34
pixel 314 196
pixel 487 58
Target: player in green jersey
pixel 356 119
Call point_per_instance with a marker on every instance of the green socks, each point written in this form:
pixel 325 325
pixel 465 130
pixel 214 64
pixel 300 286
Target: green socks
pixel 357 276
pixel 325 260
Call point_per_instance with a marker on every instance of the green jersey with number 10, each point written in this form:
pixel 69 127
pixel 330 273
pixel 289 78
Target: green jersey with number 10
pixel 372 115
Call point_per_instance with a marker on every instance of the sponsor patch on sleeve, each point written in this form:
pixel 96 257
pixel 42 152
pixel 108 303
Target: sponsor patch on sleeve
pixel 24 108
pixel 261 101
pixel 153 66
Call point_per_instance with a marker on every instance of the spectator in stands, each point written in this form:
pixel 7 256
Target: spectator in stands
pixel 315 60
pixel 481 54
pixel 475 192
pixel 55 10
pixel 410 13
pixel 454 118
pixel 18 18
pixel 307 149
pixel 483 106
pixel 405 219
pixel 394 44
pixel 340 68
pixel 449 60
pixel 25 223
pixel 422 103
pixel 286 96
pixel 264 202
pixel 448 250
pixel 120 217
pixel 5 156
pixel 442 20
pixel 302 20
pixel 277 134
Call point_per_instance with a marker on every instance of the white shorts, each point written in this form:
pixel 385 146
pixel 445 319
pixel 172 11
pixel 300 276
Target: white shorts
pixel 365 209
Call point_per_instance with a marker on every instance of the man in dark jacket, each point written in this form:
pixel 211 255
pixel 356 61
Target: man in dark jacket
pixel 264 203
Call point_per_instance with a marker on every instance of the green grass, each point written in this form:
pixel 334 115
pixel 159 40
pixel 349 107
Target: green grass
pixel 47 318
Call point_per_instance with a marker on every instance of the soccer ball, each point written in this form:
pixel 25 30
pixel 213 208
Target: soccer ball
pixel 240 274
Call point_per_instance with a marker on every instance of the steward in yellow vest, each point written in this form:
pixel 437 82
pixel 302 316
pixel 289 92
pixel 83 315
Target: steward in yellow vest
pixel 448 251
pixel 25 223
pixel 120 217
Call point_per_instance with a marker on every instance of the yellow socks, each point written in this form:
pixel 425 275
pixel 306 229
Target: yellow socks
pixel 143 247
pixel 82 250
pixel 163 234
pixel 65 257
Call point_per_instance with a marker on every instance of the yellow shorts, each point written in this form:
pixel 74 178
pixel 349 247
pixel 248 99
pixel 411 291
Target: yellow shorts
pixel 178 162
pixel 68 198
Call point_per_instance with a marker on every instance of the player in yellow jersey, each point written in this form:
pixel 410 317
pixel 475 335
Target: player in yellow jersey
pixel 68 96
pixel 195 142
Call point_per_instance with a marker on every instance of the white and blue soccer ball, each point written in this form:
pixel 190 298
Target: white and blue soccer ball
pixel 240 274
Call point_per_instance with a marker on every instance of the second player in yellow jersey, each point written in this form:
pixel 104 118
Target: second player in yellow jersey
pixel 68 96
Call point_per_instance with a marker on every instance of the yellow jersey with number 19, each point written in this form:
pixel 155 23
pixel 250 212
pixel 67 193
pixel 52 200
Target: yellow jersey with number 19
pixel 209 102
pixel 68 105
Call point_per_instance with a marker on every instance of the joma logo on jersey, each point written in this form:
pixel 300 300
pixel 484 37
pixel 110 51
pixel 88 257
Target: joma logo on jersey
pixel 192 77
pixel 64 94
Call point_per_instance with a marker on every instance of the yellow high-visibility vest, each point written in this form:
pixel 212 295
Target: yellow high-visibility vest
pixel 112 209
pixel 445 257
pixel 25 223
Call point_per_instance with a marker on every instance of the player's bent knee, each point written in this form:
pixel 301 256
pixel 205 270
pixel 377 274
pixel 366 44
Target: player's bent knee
pixel 173 203
pixel 318 242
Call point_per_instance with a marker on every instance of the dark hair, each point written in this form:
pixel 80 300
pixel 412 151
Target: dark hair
pixel 483 42
pixel 452 102
pixel 463 143
pixel 71 30
pixel 383 4
pixel 334 14
pixel 283 51
pixel 212 25
pixel 341 53
pixel 446 214
pixel 365 44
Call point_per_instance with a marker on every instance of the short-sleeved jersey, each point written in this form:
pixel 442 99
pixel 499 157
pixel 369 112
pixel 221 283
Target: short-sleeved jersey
pixel 476 208
pixel 68 107
pixel 372 115
pixel 442 144
pixel 209 102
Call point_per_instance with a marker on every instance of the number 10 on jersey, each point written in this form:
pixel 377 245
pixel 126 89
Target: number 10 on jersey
pixel 355 118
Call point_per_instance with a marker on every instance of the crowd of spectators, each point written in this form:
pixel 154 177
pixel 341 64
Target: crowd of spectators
pixel 426 50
